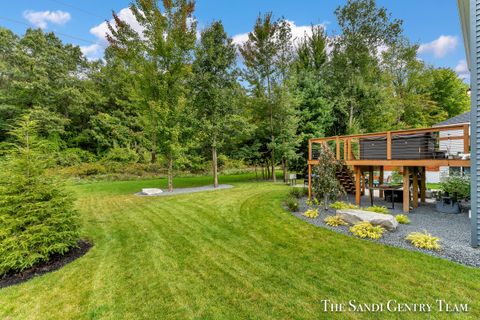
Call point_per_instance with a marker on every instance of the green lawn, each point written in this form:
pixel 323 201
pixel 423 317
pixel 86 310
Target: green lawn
pixel 230 254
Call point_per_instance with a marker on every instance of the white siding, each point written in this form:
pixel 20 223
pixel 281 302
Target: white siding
pixel 475 83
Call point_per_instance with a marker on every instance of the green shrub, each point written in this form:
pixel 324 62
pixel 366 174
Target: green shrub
pixel 37 217
pixel 402 218
pixel 298 192
pixel 292 204
pixel 424 240
pixel 366 230
pixel 121 155
pixel 339 205
pixel 335 221
pixel 456 184
pixel 84 170
pixel 311 213
pixel 74 156
pixel 378 209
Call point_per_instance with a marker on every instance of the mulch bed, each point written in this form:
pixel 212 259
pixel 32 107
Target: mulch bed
pixel 54 263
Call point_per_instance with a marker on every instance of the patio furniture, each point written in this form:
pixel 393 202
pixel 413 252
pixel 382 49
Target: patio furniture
pixel 385 188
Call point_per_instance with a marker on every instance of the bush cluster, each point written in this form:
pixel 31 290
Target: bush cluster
pixel 402 218
pixel 292 204
pixel 339 205
pixel 311 213
pixel 367 230
pixel 378 209
pixel 335 221
pixel 424 240
pixel 298 192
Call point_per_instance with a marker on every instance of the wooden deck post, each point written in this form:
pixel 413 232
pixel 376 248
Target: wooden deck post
pixel 415 188
pixel 345 147
pixel 423 184
pixel 406 190
pixel 309 170
pixel 358 196
pixel 389 145
pixel 310 182
pixel 380 181
pixel 347 141
pixel 337 145
pixel 362 174
pixel 370 182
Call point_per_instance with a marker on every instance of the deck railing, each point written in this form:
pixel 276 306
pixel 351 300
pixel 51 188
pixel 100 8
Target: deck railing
pixel 440 142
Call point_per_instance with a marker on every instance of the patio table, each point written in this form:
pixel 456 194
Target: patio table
pixel 384 187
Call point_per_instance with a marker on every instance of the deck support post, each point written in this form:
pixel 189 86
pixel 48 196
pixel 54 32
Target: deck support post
pixel 423 184
pixel 362 174
pixel 415 187
pixel 380 181
pixel 337 147
pixel 406 190
pixel 370 182
pixel 310 182
pixel 357 171
pixel 309 170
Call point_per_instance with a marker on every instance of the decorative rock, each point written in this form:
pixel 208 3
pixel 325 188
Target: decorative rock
pixel 151 191
pixel 353 216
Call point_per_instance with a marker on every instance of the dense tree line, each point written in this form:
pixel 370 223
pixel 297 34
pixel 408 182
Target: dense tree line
pixel 168 96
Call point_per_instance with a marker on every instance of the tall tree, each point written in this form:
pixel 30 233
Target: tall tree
pixel 160 59
pixel 268 54
pixel 214 85
pixel 365 30
pixel 312 90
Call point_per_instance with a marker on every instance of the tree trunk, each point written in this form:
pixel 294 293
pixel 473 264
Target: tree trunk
pixel 325 201
pixel 170 174
pixel 214 166
pixel 256 174
pixel 153 158
pixel 274 178
pixel 284 167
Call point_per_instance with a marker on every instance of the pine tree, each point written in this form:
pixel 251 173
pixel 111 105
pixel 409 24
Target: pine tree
pixel 37 218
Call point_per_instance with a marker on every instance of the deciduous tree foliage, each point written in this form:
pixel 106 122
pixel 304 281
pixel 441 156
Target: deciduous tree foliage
pixel 159 58
pixel 214 87
pixel 156 97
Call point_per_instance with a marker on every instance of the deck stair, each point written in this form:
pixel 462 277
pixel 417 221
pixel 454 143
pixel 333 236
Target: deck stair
pixel 345 177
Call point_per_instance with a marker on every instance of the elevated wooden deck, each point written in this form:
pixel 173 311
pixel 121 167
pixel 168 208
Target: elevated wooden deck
pixel 412 151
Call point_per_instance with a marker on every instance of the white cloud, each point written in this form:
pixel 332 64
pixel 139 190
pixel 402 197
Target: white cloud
pixel 126 15
pixel 298 32
pixel 440 47
pixel 93 51
pixel 40 19
pixel 462 70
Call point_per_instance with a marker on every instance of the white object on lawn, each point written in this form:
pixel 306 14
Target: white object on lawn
pixel 151 191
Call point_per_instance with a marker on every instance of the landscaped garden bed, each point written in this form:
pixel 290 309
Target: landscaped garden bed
pixel 54 263
pixel 453 231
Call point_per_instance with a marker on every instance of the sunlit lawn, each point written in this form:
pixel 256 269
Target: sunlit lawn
pixel 229 254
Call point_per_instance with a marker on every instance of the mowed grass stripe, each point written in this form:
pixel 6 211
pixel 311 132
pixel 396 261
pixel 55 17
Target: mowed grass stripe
pixel 229 254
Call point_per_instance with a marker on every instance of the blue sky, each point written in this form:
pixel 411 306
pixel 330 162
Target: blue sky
pixel 433 24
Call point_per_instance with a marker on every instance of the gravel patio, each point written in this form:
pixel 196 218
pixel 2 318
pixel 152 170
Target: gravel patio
pixel 452 229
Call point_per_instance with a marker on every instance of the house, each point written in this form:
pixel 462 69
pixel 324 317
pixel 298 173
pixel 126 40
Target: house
pixel 451 142
pixel 470 20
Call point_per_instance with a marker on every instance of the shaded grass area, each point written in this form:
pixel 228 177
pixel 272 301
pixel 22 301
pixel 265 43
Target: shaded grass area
pixel 229 254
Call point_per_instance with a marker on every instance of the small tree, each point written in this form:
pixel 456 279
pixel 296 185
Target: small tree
pixel 325 183
pixel 214 88
pixel 37 217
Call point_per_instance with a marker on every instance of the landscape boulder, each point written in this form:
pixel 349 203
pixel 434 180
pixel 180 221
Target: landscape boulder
pixel 151 191
pixel 354 216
